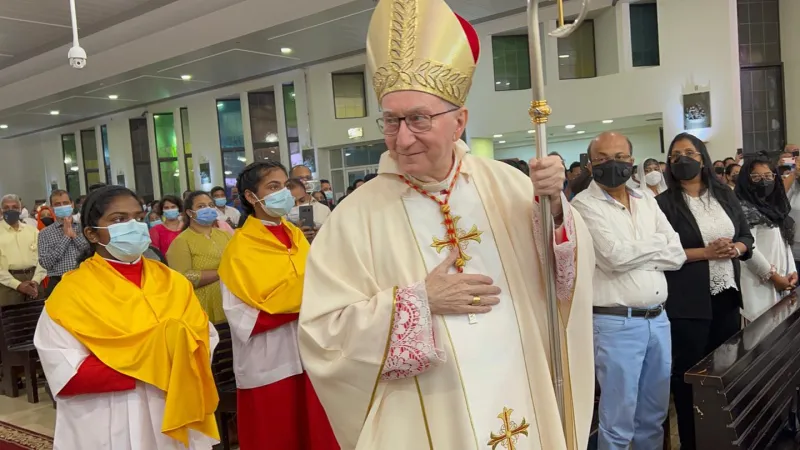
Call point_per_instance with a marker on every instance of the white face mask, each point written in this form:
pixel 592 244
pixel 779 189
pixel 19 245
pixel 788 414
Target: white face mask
pixel 653 178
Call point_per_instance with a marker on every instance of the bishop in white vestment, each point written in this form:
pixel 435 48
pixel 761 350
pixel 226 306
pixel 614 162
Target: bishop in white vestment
pixel 404 354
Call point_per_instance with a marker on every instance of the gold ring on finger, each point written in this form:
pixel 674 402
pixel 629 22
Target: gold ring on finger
pixel 476 301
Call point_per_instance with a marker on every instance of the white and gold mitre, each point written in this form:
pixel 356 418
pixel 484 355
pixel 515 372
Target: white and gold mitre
pixel 421 45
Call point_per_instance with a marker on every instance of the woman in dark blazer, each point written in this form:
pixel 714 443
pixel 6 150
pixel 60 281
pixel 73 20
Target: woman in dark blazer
pixel 704 297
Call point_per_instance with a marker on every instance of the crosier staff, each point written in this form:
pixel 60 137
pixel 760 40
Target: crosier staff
pixel 539 111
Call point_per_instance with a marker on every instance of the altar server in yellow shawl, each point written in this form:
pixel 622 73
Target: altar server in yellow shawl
pixel 125 344
pixel 424 319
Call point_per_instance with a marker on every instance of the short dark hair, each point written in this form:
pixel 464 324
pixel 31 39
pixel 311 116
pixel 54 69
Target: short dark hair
pixel 96 186
pixel 217 189
pixel 729 169
pixel 360 180
pixel 717 161
pixel 58 192
pixel 575 165
pixel 324 181
pixel 172 199
pixel 728 159
pixel 369 176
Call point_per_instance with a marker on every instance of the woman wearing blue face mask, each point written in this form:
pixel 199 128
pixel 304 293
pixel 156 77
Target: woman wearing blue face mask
pixel 197 251
pixel 162 235
pixel 261 277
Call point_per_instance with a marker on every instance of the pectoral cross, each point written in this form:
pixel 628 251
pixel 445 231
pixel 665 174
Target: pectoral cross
pixel 509 433
pixel 457 239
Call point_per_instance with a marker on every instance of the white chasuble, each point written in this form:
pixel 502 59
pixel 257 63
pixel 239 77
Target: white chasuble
pixel 487 349
pixel 391 375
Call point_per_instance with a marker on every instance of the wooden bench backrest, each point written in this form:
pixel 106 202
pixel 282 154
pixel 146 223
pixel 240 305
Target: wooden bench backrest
pixel 18 323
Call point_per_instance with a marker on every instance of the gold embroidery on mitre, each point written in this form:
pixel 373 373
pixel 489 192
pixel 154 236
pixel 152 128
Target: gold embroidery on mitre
pixel 509 432
pixel 401 60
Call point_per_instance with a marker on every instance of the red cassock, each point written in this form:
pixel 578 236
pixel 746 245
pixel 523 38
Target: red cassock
pixel 286 414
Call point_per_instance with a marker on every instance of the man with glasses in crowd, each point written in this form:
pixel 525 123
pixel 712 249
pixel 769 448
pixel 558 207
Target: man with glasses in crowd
pixel 442 237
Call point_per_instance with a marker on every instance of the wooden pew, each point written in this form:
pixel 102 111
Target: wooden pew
pixel 222 368
pixel 746 391
pixel 17 326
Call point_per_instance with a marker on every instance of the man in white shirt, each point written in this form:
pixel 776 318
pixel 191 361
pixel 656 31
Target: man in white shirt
pixel 227 213
pixel 634 244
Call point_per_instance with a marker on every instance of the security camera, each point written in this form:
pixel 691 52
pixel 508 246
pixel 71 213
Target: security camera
pixel 77 57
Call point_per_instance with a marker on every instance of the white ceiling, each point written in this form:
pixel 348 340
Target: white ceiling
pixel 589 129
pixel 46 24
pixel 244 56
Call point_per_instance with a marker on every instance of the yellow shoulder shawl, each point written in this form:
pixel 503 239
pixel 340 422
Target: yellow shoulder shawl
pixel 258 269
pixel 157 334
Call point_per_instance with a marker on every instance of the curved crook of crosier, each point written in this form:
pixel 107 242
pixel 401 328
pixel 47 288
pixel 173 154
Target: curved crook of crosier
pixel 566 30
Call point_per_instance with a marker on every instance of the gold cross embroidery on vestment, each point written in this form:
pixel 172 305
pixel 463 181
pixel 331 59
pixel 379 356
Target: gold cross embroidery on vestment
pixel 509 433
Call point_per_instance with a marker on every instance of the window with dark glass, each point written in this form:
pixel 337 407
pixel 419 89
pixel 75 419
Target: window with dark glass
pixel 169 173
pixel 231 140
pixel 264 126
pixel 296 154
pixel 511 60
pixel 349 96
pixel 91 164
pixel 71 169
pixel 644 34
pixel 576 53
pixel 186 133
pixel 106 155
pixel 140 146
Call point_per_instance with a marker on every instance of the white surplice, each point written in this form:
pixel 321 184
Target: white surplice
pixel 127 420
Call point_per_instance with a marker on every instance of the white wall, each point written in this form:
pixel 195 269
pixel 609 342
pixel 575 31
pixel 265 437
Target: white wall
pixel 646 144
pixel 790 54
pixel 706 56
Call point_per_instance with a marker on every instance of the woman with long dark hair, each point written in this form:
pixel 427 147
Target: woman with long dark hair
pixel 715 236
pixel 124 344
pixel 261 278
pixel 771 271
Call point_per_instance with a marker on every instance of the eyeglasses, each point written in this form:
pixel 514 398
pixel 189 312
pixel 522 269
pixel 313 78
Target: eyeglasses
pixel 690 153
pixel 756 177
pixel 621 157
pixel 416 123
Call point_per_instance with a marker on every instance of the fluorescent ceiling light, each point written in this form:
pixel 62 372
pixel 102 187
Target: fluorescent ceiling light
pixel 220 105
pixel 176 174
pixel 67 160
pixel 497 82
pixel 286 50
pixel 498 135
pixel 228 172
pixel 580 132
pixel 74 168
pixel 186 77
pixel 54 112
pixel 608 121
pixel 501 142
pixel 569 127
pixel 347 154
pixel 531 131
pixel 242 159
pixel 3 126
pixel 563 56
pixel 113 97
pixel 156 116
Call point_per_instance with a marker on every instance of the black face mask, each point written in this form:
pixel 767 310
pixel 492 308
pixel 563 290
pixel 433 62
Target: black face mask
pixel 612 173
pixel 719 170
pixel 685 168
pixel 47 221
pixel 764 188
pixel 11 216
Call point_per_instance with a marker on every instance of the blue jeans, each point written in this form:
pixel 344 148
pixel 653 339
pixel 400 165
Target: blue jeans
pixel 632 361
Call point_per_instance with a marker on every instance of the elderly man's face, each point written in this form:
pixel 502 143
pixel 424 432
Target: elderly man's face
pixel 423 154
pixel 302 173
pixel 10 205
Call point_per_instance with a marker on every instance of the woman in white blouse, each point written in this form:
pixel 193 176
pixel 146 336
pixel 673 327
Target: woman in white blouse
pixel 771 271
pixel 715 236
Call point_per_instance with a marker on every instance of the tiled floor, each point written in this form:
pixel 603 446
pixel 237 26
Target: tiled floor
pixel 39 417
